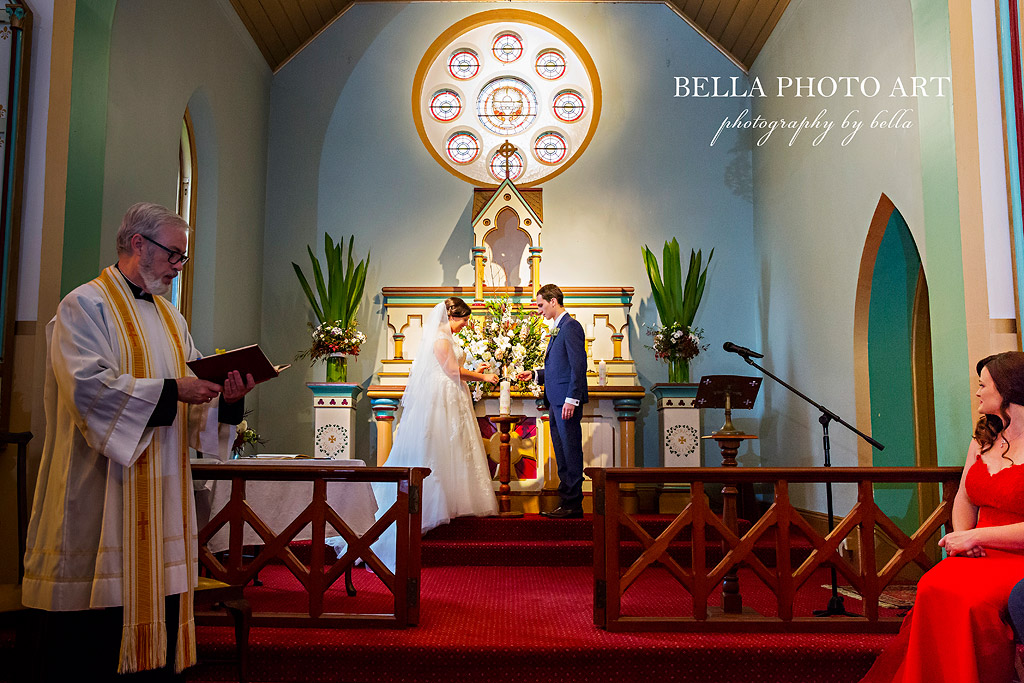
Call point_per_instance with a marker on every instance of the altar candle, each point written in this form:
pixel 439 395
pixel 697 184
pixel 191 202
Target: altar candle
pixel 602 373
pixel 505 397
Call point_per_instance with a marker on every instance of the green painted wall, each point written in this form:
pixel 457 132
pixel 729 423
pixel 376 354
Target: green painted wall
pixel 944 260
pixel 83 213
pixel 890 327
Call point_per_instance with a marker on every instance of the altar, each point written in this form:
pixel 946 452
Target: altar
pixel 507 227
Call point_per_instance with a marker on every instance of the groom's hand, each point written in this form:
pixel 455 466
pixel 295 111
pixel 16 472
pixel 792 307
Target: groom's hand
pixel 525 376
pixel 567 411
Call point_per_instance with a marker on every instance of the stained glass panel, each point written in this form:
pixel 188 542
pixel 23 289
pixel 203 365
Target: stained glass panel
pixel 445 105
pixel 463 147
pixel 550 148
pixel 514 164
pixel 464 64
pixel 508 47
pixel 507 106
pixel 550 64
pixel 568 106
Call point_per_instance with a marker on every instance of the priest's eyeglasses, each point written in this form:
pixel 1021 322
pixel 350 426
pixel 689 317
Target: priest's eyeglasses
pixel 173 257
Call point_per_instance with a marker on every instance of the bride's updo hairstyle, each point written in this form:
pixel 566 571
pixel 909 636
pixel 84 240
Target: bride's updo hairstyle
pixel 1007 372
pixel 457 308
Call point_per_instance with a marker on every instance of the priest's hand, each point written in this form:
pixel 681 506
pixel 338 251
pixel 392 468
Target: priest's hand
pixel 195 390
pixel 235 388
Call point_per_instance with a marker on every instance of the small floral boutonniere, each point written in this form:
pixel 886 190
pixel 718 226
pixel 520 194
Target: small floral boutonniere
pixel 554 333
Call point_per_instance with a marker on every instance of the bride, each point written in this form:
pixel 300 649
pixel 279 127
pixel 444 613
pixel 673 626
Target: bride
pixel 438 429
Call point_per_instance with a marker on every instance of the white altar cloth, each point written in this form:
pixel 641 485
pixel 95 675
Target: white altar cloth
pixel 279 502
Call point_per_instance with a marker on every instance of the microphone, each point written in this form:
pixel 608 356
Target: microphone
pixel 741 350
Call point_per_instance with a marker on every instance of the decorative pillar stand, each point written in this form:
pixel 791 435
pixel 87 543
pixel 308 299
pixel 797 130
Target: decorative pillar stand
pixel 333 418
pixel 680 425
pixel 626 410
pixel 384 410
pixel 505 423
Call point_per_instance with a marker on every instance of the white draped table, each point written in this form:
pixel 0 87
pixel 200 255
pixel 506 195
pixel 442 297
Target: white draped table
pixel 277 503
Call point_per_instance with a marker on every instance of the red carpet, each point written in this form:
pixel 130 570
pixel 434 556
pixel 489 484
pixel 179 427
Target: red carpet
pixel 523 623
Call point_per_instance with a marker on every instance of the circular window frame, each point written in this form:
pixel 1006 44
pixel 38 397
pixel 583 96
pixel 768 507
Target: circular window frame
pixel 453 32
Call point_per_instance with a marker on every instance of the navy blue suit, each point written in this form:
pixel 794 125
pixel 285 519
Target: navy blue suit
pixel 565 375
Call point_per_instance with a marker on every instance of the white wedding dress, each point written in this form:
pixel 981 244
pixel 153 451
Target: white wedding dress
pixel 437 429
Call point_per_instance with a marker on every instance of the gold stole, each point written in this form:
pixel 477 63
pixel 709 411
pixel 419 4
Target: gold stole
pixel 144 633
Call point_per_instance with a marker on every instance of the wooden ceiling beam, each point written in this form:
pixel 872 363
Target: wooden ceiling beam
pixel 737 28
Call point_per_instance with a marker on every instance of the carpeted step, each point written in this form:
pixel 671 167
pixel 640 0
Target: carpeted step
pixel 512 624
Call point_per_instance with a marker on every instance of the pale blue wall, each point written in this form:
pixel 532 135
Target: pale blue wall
pixel 163 57
pixel 813 207
pixel 344 157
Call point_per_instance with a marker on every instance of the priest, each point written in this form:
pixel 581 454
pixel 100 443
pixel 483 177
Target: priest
pixel 111 555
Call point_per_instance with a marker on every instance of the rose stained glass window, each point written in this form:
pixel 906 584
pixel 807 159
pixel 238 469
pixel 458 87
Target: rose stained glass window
pixel 463 64
pixel 550 64
pixel 508 47
pixel 507 106
pixel 445 105
pixel 550 148
pixel 514 164
pixel 506 75
pixel 568 106
pixel 463 147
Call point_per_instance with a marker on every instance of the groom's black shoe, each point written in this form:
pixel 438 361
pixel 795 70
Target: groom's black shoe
pixel 564 513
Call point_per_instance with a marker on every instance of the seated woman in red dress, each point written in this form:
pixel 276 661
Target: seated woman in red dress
pixel 956 632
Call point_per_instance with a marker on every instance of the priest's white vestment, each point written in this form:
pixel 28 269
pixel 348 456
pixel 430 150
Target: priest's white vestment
pixel 96 430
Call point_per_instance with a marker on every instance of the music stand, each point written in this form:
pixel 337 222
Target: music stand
pixel 729 391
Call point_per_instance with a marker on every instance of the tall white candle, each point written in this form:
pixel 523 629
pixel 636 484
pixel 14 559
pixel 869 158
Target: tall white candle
pixel 602 373
pixel 505 397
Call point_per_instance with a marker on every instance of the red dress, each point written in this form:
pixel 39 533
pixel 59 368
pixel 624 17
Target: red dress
pixel 956 632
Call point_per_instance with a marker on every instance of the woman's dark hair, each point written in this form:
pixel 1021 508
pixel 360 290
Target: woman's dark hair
pixel 1007 373
pixel 457 308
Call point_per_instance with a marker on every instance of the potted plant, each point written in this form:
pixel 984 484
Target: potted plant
pixel 335 304
pixel 677 341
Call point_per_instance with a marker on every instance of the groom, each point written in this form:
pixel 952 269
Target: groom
pixel 564 377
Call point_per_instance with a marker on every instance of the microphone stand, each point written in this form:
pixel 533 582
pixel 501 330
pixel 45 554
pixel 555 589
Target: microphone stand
pixel 835 604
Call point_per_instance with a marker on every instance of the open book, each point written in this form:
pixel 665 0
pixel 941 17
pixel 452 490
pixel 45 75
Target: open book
pixel 247 360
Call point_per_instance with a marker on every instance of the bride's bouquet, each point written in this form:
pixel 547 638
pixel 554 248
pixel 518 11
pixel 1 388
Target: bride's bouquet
pixel 509 339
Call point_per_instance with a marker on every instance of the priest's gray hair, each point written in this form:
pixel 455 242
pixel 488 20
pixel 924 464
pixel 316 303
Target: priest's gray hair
pixel 145 219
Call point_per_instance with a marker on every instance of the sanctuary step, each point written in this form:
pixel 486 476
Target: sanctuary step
pixel 513 624
pixel 533 540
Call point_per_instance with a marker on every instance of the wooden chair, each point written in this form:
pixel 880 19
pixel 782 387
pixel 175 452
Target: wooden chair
pixel 212 596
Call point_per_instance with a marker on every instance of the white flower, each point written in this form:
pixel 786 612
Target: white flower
pixel 678 334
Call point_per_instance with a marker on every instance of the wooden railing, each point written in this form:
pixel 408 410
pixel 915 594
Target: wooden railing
pixel 611 579
pixel 317 578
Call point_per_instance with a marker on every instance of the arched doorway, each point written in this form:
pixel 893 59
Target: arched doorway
pixel 895 362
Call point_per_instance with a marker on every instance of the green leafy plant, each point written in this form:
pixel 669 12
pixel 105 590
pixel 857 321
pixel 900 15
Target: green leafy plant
pixel 677 303
pixel 337 299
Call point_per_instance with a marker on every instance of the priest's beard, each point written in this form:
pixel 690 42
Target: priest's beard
pixel 154 283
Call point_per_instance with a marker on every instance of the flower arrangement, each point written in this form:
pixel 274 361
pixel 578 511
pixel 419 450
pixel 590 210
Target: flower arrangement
pixel 677 342
pixel 330 339
pixel 509 339
pixel 335 303
pixel 245 436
